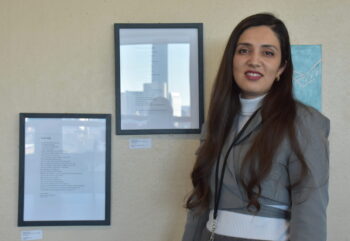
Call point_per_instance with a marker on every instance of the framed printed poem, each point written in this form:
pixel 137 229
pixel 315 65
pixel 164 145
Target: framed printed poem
pixel 64 171
pixel 159 78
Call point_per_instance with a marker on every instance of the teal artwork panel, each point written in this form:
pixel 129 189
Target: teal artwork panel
pixel 307 78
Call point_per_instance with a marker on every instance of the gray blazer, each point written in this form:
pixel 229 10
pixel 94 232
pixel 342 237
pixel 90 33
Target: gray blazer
pixel 307 201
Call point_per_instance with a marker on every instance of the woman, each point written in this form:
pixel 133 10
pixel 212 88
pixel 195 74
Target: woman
pixel 262 168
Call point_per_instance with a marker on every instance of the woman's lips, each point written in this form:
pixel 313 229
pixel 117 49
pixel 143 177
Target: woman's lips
pixel 253 75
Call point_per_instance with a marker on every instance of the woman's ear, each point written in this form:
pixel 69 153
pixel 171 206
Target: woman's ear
pixel 280 70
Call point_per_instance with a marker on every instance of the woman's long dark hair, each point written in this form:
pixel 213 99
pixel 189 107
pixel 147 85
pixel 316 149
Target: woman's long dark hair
pixel 278 114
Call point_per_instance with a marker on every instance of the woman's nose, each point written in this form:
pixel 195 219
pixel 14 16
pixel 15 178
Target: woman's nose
pixel 254 60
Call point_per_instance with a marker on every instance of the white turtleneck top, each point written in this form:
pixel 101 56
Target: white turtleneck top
pixel 248 107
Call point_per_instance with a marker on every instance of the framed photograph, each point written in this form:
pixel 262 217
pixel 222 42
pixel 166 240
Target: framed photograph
pixel 64 169
pixel 159 78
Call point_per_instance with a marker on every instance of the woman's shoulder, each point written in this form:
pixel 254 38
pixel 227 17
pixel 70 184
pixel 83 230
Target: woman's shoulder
pixel 310 118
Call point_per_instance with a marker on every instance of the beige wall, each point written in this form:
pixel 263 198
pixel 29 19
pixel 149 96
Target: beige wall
pixel 58 56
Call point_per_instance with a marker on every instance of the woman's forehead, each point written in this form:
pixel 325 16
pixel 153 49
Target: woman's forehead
pixel 260 35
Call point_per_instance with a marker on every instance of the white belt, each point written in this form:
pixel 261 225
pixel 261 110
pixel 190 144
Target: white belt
pixel 249 227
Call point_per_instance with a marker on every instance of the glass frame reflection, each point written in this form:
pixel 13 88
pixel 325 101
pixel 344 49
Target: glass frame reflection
pixel 159 78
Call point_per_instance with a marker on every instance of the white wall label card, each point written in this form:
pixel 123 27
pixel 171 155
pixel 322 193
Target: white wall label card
pixel 32 235
pixel 144 143
pixel 64 169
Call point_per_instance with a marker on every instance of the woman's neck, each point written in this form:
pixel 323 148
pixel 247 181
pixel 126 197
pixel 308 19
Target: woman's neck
pixel 249 106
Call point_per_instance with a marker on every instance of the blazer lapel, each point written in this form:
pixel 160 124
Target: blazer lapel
pixel 253 124
pixel 232 178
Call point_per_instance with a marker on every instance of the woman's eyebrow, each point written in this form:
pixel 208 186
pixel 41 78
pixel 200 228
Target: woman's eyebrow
pixel 269 46
pixel 263 45
pixel 245 44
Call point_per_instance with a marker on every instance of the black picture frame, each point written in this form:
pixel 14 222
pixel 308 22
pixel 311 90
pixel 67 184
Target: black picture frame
pixel 160 54
pixel 71 154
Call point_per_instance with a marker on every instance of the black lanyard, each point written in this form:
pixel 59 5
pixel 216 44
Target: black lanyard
pixel 218 185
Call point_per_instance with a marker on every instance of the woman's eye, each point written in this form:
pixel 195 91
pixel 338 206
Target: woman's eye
pixel 243 51
pixel 269 53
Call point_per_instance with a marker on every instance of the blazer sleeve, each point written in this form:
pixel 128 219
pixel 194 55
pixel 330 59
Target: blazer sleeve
pixel 196 220
pixel 195 224
pixel 310 198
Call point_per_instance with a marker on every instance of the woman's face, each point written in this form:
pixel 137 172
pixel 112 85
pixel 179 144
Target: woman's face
pixel 257 61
